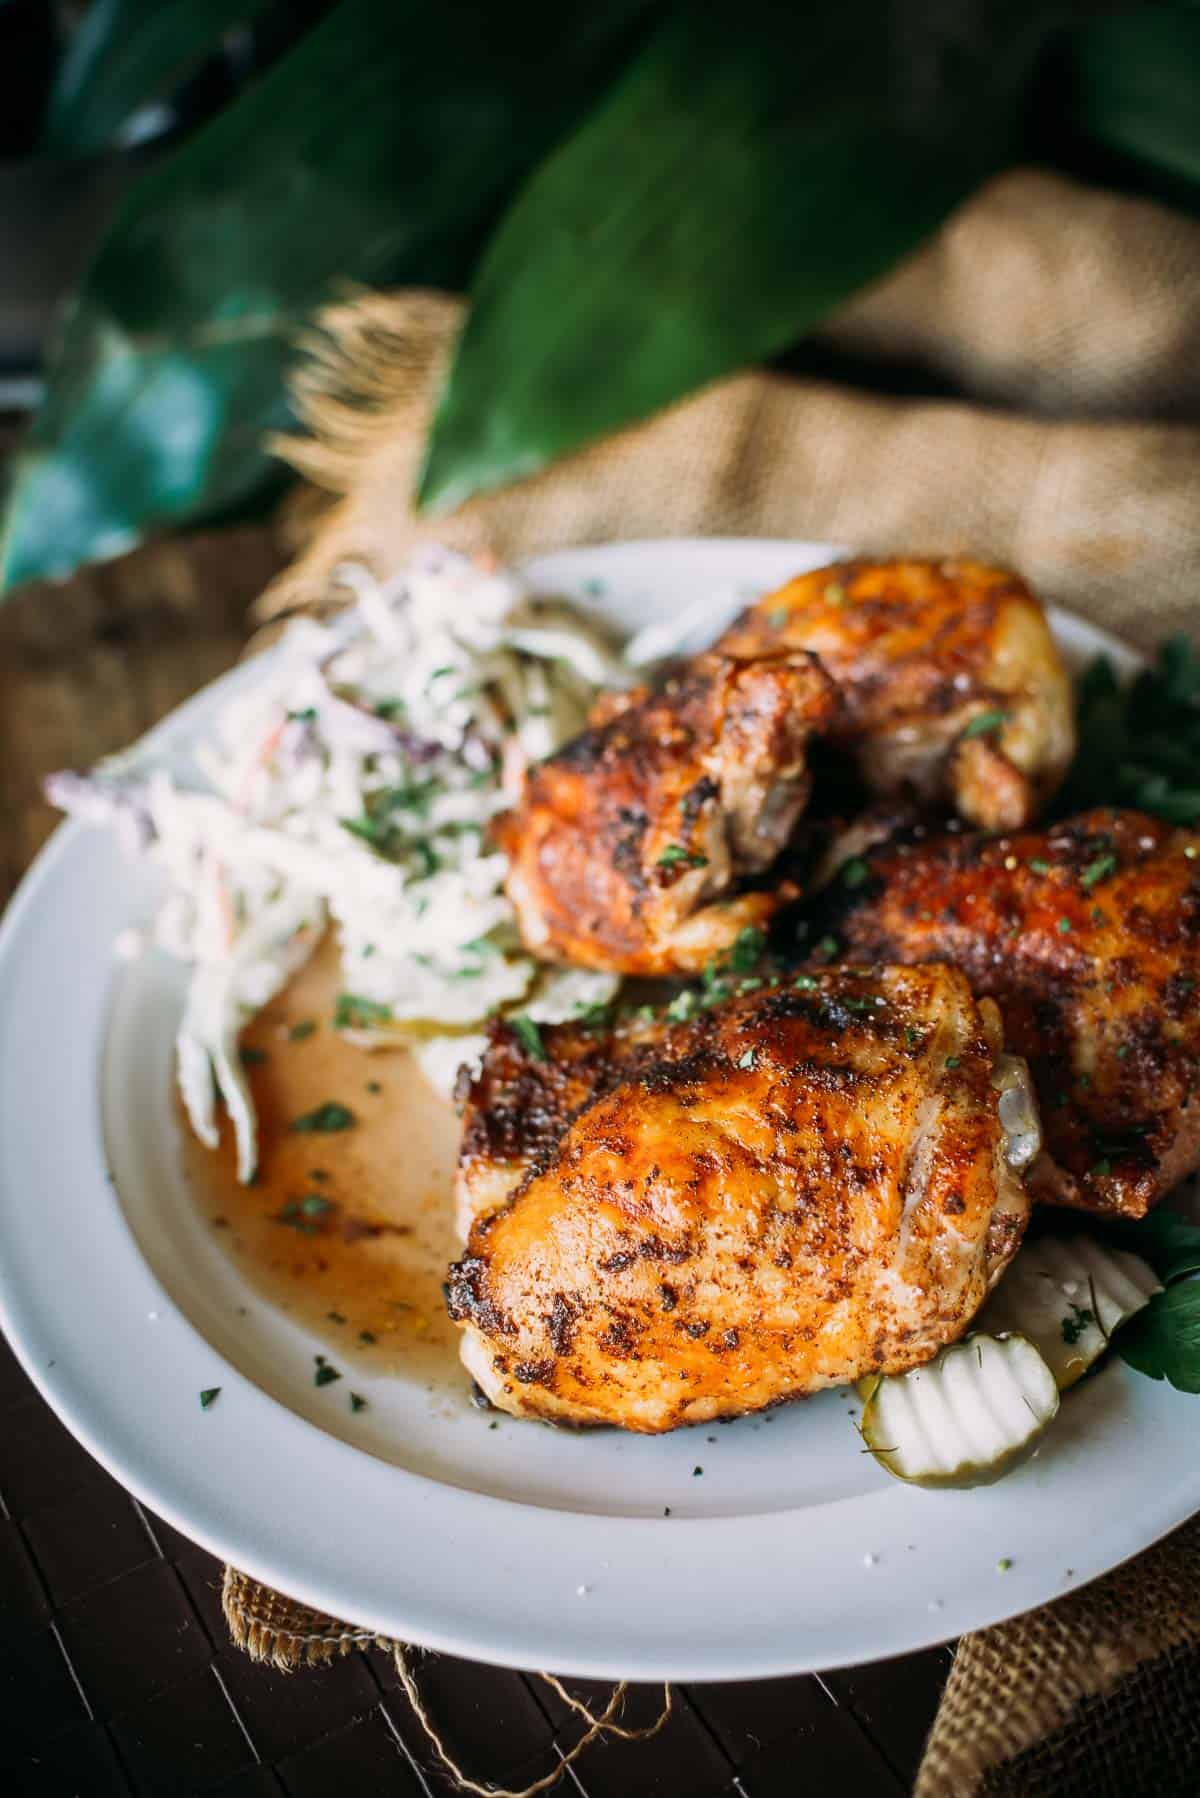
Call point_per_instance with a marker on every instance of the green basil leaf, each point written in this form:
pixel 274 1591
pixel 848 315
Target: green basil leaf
pixel 124 53
pixel 754 167
pixel 1139 743
pixel 380 148
pixel 1163 1339
pixel 1169 1242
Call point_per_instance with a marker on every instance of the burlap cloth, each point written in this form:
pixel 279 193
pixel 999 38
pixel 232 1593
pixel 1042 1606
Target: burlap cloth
pixel 1068 322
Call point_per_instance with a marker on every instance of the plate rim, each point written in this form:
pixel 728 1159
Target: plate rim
pixel 566 1651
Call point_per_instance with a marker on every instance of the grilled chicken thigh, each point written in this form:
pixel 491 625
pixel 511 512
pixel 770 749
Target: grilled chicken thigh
pixel 1088 937
pixel 627 847
pixel 952 686
pixel 518 1105
pixel 797 1187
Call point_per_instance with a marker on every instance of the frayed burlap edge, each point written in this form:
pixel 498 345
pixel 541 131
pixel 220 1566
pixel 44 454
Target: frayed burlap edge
pixel 1015 1684
pixel 281 1631
pixel 288 1635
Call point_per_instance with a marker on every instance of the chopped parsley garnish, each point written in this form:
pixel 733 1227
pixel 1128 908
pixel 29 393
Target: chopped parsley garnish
pixel 748 1058
pixel 748 946
pixel 387 709
pixel 777 617
pixel 380 827
pixel 1003 1564
pixel 300 1031
pixel 307 715
pixel 828 947
pixel 252 1058
pixel 357 1402
pixel 353 1012
pixel 684 1005
pixel 1101 1167
pixel 675 853
pixel 1100 869
pixel 374 1086
pixel 806 983
pixel 912 1035
pixel 954 1061
pixel 1076 1323
pixel 366 829
pixel 325 1375
pixel 209 1397
pixel 1039 866
pixel 428 857
pixel 696 1472
pixel 1063 926
pixel 325 1118
pixel 984 723
pixel 855 872
pixel 304 1214
pixel 529 1037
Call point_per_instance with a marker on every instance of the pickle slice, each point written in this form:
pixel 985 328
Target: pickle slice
pixel 1068 1294
pixel 966 1417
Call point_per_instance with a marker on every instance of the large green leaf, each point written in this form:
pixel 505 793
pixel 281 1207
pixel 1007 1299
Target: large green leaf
pixel 755 166
pixel 125 52
pixel 1135 92
pixel 381 148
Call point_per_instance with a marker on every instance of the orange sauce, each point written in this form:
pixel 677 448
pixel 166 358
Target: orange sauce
pixel 348 1231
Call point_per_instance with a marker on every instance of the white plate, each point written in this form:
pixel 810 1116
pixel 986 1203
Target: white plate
pixel 519 1545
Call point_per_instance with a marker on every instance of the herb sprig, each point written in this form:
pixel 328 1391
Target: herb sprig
pixel 1139 745
pixel 1163 1339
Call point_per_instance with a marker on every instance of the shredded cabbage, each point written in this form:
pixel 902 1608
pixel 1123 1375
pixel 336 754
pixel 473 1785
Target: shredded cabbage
pixel 353 785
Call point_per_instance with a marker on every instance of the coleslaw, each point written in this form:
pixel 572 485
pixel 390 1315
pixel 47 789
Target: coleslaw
pixel 353 786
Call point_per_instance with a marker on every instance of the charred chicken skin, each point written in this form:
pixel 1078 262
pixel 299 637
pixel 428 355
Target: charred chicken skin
pixel 797 1187
pixel 951 684
pixel 627 847
pixel 1087 935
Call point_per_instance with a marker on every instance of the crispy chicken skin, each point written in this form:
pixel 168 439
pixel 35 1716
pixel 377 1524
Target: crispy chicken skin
pixel 797 1187
pixel 920 649
pixel 518 1105
pixel 627 846
pixel 1088 937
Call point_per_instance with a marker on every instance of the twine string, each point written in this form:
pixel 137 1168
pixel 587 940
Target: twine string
pixel 641 1734
pixel 597 1726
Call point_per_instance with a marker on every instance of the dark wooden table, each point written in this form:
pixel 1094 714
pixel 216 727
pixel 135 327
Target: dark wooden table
pixel 116 1671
